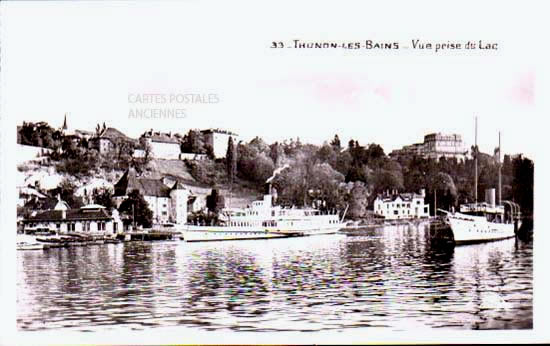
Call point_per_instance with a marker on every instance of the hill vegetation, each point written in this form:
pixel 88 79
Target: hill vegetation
pixel 328 176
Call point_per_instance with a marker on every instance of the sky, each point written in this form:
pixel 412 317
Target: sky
pixel 94 60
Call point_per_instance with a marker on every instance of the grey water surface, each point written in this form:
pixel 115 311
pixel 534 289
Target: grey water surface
pixel 386 277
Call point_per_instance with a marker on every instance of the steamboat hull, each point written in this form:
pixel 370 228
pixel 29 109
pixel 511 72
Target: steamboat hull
pixel 470 229
pixel 219 233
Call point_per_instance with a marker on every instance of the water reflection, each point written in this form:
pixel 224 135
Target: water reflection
pixel 386 277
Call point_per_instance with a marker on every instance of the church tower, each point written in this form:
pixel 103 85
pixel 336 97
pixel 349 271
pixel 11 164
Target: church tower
pixel 64 127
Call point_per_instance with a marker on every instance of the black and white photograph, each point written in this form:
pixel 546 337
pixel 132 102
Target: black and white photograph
pixel 206 172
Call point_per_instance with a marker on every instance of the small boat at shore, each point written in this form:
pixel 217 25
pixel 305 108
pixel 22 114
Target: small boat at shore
pixel 30 246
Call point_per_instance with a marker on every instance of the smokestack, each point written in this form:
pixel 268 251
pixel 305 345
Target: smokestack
pixel 490 197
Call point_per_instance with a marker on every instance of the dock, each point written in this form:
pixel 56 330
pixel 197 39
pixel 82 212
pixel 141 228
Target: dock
pixel 149 235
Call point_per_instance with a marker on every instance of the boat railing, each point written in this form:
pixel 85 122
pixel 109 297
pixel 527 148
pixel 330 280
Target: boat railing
pixel 482 207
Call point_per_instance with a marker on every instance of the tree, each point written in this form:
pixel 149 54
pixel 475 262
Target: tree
pixel 209 150
pixel 124 149
pixel 387 180
pixel 260 145
pixel 253 165
pixel 231 160
pixel 215 202
pixel 336 143
pixel 103 196
pixel 193 142
pixel 374 152
pixel 442 186
pixel 307 181
pixel 36 139
pixel 47 140
pixel 522 184
pixel 135 207
pixel 327 154
pixel 276 153
pixel 356 173
pixel 343 163
pixel 141 163
pixel 414 180
pixel 66 190
pixel 358 200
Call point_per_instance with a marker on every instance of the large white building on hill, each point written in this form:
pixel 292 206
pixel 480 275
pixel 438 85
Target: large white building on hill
pixel 218 140
pixel 435 146
pixel 163 145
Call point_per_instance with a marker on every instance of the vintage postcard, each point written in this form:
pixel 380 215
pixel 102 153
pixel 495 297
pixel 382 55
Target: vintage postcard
pixel 207 172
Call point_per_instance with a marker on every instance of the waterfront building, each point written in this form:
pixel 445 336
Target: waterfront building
pixel 168 204
pixel 218 139
pixel 163 145
pixel 393 206
pixel 435 146
pixel 92 218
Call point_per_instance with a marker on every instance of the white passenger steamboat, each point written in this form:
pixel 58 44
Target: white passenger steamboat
pixel 486 221
pixel 479 222
pixel 263 220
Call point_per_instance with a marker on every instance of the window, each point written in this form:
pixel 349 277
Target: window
pixel 395 212
pixel 115 226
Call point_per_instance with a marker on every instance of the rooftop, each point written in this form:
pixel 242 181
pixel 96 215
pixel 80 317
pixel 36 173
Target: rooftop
pixel 113 134
pixel 81 214
pixel 226 132
pixel 161 137
pixel 406 197
pixel 146 186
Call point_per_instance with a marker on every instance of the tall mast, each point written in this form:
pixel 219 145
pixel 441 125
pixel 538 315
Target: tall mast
pixel 499 173
pixel 475 165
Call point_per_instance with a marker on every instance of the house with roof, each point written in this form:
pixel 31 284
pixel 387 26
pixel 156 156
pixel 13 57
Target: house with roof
pixel 27 194
pixel 393 206
pixel 163 145
pixel 168 203
pixel 107 139
pixel 93 218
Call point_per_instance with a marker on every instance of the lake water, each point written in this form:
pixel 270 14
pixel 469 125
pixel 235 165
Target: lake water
pixel 388 277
